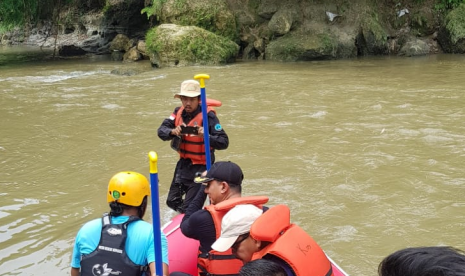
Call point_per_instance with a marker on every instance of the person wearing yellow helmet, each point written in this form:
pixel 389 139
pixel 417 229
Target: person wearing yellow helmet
pixel 119 243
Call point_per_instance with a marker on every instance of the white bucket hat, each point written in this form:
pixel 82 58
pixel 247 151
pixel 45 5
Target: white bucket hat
pixel 189 88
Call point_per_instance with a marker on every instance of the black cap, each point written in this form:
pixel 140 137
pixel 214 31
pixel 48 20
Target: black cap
pixel 223 171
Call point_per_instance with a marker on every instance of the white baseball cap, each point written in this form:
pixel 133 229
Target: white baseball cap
pixel 236 222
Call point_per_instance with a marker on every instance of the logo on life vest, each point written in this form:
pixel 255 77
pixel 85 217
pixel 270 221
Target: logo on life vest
pixel 114 231
pixel 218 127
pixel 103 270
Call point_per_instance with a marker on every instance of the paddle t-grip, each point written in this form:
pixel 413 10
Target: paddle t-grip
pixel 202 78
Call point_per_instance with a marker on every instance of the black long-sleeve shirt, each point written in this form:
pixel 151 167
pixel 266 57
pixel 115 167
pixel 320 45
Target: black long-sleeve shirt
pixel 218 138
pixel 197 222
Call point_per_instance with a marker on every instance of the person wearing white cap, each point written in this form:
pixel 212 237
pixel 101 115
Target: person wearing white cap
pixel 236 225
pixel 184 128
pixel 252 235
pixel 222 183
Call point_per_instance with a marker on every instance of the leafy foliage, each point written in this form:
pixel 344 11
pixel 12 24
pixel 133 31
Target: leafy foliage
pixel 211 15
pixel 154 9
pixel 455 23
pixel 444 5
pixel 14 12
pixel 153 42
pixel 22 12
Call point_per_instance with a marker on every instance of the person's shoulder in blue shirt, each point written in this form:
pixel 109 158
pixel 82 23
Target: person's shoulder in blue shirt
pixel 139 243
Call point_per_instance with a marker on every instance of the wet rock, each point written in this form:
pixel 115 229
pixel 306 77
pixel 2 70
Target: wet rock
pixel 98 44
pixel 120 43
pixel 132 55
pixel 117 56
pixel 142 47
pixel 267 8
pixel 124 72
pixel 281 22
pixel 155 60
pixel 248 52
pixel 414 47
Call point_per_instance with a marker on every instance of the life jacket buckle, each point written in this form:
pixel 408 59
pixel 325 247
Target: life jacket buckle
pixel 209 256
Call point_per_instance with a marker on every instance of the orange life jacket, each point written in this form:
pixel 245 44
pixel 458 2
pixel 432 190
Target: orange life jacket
pixel 290 243
pixel 224 263
pixel 192 146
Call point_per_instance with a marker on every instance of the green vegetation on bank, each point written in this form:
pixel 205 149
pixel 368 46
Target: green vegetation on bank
pixel 443 5
pixel 15 13
pixel 189 45
pixel 213 16
pixel 18 13
pixel 455 23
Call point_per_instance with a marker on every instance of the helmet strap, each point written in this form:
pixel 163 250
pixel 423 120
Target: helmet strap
pixel 142 208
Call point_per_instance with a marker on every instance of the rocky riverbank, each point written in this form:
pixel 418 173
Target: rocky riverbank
pixel 290 30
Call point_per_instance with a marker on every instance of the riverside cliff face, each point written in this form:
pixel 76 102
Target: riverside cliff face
pixel 280 30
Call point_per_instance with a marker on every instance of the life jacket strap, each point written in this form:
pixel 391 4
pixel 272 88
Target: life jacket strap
pixel 216 257
pixel 330 271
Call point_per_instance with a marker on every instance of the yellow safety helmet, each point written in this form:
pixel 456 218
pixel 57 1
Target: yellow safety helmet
pixel 128 188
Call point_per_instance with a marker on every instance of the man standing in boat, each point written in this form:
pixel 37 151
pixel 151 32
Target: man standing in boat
pixel 223 186
pixel 185 130
pixel 120 243
pixel 252 235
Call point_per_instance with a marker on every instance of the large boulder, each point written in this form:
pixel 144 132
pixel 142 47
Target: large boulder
pixel 282 21
pixel 142 48
pixel 267 8
pixel 212 15
pixel 414 47
pixel 310 45
pixel 174 45
pixel 132 55
pixel 121 43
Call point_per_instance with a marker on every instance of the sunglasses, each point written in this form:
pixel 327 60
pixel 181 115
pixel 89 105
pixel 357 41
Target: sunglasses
pixel 240 240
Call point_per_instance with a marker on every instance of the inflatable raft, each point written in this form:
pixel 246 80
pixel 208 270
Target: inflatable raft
pixel 182 251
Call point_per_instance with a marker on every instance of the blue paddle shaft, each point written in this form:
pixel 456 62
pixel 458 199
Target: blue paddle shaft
pixel 206 135
pixel 155 213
